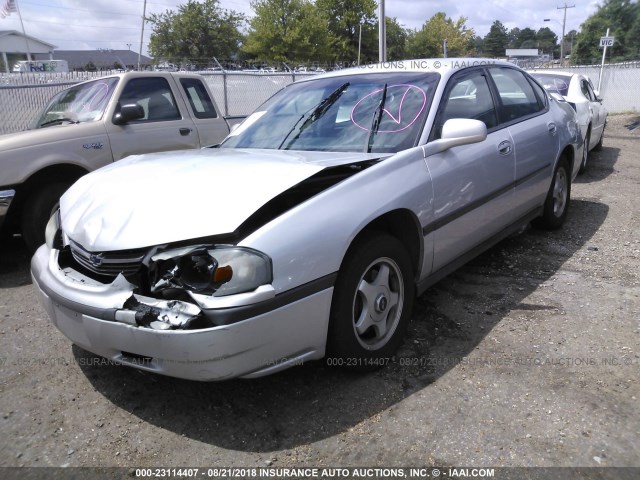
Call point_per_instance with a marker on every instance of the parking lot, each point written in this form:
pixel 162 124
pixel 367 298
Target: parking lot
pixel 527 356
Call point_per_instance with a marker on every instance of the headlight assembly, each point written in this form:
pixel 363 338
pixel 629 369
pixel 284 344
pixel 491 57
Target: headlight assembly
pixel 210 270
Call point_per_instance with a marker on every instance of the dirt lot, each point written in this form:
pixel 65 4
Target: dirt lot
pixel 528 356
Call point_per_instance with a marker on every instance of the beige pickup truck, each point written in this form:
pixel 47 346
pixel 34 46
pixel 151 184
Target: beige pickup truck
pixel 93 124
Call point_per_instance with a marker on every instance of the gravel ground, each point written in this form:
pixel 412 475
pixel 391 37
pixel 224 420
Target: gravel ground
pixel 527 356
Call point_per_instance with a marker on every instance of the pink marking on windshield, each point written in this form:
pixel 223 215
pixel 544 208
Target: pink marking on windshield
pixel 401 107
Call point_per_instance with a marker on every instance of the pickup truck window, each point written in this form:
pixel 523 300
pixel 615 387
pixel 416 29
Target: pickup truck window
pixel 82 103
pixel 198 97
pixel 154 95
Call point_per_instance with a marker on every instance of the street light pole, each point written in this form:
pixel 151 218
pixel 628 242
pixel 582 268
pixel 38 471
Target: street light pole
pixel 382 34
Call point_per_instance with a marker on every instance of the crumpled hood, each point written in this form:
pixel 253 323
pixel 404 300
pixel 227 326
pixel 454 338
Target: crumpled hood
pixel 152 199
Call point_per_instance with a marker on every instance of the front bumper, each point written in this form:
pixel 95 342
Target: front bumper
pixel 6 197
pixel 268 342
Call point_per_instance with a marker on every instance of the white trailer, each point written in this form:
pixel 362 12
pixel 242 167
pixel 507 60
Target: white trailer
pixel 41 66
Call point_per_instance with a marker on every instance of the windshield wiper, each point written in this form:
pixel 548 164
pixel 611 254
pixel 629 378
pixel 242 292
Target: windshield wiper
pixel 58 120
pixel 316 112
pixel 375 121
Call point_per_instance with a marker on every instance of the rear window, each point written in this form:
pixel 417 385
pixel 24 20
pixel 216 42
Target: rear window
pixel 198 97
pixel 554 83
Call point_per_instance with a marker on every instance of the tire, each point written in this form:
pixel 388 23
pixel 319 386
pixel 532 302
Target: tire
pixel 598 146
pixel 585 153
pixel 372 303
pixel 36 213
pixel 557 202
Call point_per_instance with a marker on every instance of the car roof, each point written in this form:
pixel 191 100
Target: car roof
pixel 554 72
pixel 444 66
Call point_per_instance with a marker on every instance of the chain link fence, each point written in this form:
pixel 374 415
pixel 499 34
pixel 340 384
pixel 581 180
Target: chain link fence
pixel 23 96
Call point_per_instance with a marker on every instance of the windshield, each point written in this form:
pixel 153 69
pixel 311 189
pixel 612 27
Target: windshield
pixel 554 83
pixel 378 112
pixel 82 103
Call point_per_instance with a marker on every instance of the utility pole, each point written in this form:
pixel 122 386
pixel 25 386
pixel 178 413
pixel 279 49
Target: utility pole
pixel 144 13
pixel 382 34
pixel 564 22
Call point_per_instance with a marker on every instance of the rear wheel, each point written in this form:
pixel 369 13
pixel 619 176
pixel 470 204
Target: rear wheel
pixel 556 204
pixel 372 303
pixel 37 211
pixel 600 142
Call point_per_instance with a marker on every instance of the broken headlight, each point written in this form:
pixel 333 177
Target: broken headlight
pixel 210 270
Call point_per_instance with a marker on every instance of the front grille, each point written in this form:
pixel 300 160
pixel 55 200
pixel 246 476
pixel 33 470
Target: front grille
pixel 109 264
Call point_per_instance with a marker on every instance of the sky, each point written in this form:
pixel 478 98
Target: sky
pixel 116 24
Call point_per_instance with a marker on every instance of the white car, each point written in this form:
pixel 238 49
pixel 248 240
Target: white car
pixel 579 92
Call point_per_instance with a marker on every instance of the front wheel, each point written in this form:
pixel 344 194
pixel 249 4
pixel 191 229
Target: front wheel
pixel 372 303
pixel 556 204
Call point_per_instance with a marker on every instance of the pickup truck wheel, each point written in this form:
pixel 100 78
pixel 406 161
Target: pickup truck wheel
pixel 37 211
pixel 556 204
pixel 372 303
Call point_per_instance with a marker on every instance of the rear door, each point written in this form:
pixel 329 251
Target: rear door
pixel 166 124
pixel 524 110
pixel 211 126
pixel 596 109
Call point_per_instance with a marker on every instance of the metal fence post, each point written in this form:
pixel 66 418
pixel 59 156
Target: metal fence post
pixel 224 88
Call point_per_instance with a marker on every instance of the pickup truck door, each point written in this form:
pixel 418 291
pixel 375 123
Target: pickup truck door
pixel 211 125
pixel 167 124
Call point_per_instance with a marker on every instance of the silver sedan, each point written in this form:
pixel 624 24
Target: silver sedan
pixel 311 229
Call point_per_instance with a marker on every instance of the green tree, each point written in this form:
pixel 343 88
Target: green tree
pixel 512 38
pixel 195 33
pixel 475 46
pixel 527 38
pixel 496 41
pixel 287 31
pixel 621 16
pixel 547 41
pixel 344 18
pixel 396 40
pixel 428 41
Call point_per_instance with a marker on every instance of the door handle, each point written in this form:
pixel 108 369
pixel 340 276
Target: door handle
pixel 552 128
pixel 504 148
pixel 185 131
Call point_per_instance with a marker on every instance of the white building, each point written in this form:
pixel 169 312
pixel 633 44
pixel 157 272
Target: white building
pixel 16 46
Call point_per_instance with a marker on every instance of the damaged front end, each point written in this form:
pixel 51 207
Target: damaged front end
pixel 163 287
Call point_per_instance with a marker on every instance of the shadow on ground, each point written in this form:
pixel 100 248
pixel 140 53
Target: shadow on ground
pixel 312 402
pixel 14 262
pixel 600 165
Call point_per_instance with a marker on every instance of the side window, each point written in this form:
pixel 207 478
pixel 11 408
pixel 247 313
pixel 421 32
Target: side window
pixel 154 95
pixel 199 99
pixel 468 97
pixel 516 94
pixel 584 89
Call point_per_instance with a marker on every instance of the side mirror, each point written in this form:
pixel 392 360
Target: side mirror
pixel 598 97
pixel 557 97
pixel 457 132
pixel 128 113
